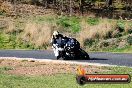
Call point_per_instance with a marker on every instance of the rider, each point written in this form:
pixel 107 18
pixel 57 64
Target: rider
pixel 61 42
pixel 58 41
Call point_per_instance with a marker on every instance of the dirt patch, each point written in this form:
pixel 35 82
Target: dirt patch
pixel 33 68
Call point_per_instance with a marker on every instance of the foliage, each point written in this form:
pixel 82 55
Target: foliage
pixel 43 19
pixel 130 31
pixel 77 5
pixel 5 68
pixel 10 42
pixel 89 42
pixel 129 40
pixel 128 27
pixel 69 22
pixel 4 40
pixel 2 69
pixel 126 49
pixel 2 13
pixel 93 21
pixel 121 25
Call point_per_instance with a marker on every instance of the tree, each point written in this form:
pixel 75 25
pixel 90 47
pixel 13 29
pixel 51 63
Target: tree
pixel 109 2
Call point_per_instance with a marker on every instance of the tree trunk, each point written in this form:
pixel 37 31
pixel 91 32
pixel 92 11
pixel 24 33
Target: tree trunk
pixel 70 7
pixel 81 6
pixel 109 2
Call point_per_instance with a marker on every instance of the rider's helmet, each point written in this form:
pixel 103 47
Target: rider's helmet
pixel 55 34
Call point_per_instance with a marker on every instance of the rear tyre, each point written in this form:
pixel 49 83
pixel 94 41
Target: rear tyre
pixel 84 55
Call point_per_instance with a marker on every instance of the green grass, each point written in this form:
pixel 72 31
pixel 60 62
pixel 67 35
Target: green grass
pixel 121 25
pixel 10 41
pixel 59 80
pixel 5 69
pixel 119 70
pixel 92 21
pixel 43 19
pixel 72 23
pixel 127 49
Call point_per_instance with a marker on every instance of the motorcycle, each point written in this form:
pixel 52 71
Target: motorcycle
pixel 68 54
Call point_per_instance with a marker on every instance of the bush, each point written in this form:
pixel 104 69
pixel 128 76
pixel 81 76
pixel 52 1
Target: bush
pixel 129 40
pixel 130 31
pixel 116 34
pixel 121 25
pixel 6 68
pixel 89 42
pixel 63 21
pixel 108 35
pixel 92 21
pixel 2 13
pixel 70 23
pixel 10 41
pixel 104 44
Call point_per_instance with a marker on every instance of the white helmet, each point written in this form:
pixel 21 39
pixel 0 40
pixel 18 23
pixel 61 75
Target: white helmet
pixel 55 33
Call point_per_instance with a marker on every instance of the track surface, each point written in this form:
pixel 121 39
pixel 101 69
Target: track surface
pixel 99 57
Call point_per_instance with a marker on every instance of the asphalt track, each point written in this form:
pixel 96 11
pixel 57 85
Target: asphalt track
pixel 121 59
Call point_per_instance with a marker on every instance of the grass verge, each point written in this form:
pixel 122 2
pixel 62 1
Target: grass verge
pixel 127 49
pixel 57 80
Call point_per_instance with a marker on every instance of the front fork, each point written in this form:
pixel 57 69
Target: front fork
pixel 59 52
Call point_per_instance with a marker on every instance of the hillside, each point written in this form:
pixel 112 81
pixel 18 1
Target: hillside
pixel 25 26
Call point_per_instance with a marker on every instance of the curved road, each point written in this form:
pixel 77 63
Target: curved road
pixel 99 57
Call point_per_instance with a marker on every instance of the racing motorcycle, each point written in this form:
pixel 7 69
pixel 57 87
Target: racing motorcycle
pixel 78 54
pixel 70 53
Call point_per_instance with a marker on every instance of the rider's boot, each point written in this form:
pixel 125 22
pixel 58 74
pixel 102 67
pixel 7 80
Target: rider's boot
pixel 58 57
